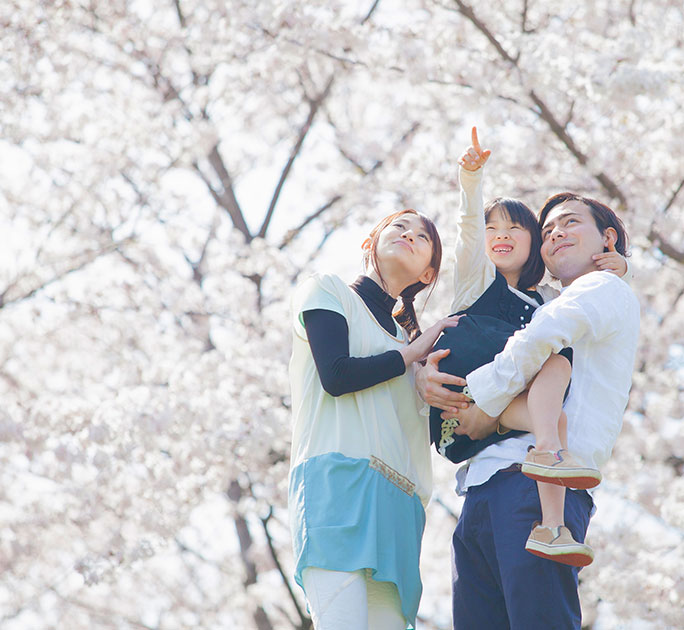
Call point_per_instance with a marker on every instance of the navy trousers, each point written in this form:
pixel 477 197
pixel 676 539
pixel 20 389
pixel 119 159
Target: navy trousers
pixel 497 585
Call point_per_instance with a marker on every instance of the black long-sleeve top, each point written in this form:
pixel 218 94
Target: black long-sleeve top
pixel 328 336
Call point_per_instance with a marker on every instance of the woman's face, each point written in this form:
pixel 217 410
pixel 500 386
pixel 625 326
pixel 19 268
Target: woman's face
pixel 404 247
pixel 507 243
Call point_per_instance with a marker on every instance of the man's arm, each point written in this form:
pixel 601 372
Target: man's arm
pixel 590 306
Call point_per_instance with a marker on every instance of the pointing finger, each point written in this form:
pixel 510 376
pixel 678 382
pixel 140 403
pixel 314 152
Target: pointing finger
pixel 476 142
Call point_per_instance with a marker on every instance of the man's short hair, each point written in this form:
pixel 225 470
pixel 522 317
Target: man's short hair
pixel 604 217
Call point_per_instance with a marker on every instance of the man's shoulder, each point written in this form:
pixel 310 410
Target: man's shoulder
pixel 602 281
pixel 607 297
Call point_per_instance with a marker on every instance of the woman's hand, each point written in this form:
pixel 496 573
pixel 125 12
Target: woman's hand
pixel 611 261
pixel 474 157
pixel 419 348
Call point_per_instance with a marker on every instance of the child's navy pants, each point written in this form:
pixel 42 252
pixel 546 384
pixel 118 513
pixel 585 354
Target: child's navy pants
pixel 497 584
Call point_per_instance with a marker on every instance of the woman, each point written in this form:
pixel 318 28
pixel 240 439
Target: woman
pixel 360 467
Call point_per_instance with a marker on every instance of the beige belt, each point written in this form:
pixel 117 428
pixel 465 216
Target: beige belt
pixel 392 475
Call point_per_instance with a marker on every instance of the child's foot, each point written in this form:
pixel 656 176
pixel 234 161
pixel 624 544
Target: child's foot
pixel 560 468
pixel 557 544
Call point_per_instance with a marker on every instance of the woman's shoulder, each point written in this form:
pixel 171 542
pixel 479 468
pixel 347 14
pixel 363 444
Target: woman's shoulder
pixel 328 282
pixel 320 291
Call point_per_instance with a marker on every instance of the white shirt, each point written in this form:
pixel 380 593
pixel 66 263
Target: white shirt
pixel 382 421
pixel 598 317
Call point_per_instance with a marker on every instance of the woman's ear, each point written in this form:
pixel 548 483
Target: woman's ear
pixel 427 276
pixel 366 245
pixel 610 238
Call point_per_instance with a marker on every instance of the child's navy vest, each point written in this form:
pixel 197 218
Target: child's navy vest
pixel 479 336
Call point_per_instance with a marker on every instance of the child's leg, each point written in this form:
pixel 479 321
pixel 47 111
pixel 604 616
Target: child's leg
pixel 538 409
pixel 552 499
pixel 545 402
pixel 551 496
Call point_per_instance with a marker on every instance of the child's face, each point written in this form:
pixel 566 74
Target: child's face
pixel 507 243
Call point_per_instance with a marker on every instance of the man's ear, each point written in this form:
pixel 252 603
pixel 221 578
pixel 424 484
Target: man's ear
pixel 427 276
pixel 610 238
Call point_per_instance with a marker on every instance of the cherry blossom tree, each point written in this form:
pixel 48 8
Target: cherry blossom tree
pixel 171 169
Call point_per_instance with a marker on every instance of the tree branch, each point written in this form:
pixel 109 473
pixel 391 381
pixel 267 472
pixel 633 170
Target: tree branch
pixel 543 111
pixel 234 493
pixel 88 257
pixel 370 11
pixel 314 105
pixel 198 267
pixel 665 246
pixel 468 12
pixel 677 190
pixel 292 234
pixel 632 13
pixel 181 17
pixel 447 509
pixel 305 621
pixel 226 198
pixel 562 134
pixel 523 18
pixel 657 239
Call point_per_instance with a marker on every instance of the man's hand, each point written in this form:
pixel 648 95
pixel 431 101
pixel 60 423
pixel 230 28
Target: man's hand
pixel 472 421
pixel 430 382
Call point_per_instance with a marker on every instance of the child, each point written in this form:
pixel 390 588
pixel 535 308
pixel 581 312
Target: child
pixel 360 465
pixel 498 266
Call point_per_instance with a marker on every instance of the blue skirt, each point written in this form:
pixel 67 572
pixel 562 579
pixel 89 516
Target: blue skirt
pixel 345 516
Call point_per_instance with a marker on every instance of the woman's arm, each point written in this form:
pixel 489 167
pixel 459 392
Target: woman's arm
pixel 328 337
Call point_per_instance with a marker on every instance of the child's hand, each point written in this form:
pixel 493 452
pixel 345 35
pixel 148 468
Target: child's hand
pixel 611 261
pixel 474 157
pixel 419 348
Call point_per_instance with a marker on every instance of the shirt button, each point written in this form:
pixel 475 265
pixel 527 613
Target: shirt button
pixel 522 325
pixel 522 318
pixel 527 307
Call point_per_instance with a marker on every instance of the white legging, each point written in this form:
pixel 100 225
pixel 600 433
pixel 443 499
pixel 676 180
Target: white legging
pixel 340 600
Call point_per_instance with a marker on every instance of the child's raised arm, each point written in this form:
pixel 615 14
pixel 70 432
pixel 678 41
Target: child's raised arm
pixel 473 271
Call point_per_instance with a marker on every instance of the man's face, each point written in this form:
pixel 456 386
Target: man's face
pixel 569 240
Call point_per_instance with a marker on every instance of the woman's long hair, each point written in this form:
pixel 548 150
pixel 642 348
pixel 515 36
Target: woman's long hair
pixel 533 269
pixel 406 315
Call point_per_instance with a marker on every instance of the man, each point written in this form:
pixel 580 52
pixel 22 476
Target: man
pixel 497 584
